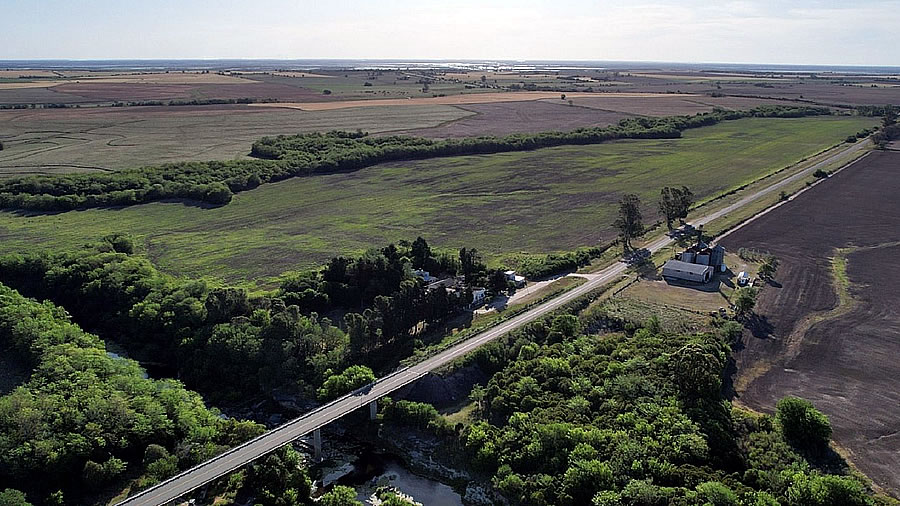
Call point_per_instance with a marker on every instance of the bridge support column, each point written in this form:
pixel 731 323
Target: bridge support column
pixel 373 410
pixel 317 445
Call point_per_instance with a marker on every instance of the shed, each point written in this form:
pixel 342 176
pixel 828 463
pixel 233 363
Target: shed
pixel 676 269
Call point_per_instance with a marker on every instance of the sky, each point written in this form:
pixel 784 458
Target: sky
pixel 849 32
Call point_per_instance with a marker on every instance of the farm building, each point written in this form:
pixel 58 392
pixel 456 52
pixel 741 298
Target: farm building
pixel 518 280
pixel 703 254
pixel 677 269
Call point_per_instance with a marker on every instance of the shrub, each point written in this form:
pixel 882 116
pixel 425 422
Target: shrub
pixel 717 494
pixel 13 497
pixel 218 193
pixel 802 424
pixel 352 378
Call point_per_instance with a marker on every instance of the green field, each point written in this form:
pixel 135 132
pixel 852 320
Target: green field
pixel 539 201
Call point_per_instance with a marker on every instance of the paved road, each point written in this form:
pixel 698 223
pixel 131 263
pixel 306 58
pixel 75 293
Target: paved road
pixel 216 467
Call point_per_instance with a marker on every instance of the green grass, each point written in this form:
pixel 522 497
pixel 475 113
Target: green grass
pixel 539 201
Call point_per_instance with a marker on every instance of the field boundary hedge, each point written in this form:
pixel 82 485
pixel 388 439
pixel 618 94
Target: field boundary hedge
pixel 283 157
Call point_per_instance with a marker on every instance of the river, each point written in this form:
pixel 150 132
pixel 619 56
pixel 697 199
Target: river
pixel 370 469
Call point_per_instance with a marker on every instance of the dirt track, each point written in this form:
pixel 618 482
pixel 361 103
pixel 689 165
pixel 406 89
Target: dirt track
pixel 840 354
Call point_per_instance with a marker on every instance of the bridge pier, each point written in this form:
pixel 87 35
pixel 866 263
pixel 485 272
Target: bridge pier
pixel 317 445
pixel 373 410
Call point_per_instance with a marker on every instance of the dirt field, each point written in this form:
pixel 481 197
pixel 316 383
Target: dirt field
pixel 514 117
pixel 669 104
pixel 472 98
pixel 829 336
pixel 66 140
pixel 17 74
pixel 106 91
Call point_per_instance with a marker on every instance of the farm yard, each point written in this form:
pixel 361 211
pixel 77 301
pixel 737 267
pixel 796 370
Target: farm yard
pixel 534 202
pixel 828 328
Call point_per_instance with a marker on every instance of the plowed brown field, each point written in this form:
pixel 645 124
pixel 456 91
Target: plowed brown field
pixel 836 347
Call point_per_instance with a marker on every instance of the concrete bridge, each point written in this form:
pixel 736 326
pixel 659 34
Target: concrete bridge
pixel 311 422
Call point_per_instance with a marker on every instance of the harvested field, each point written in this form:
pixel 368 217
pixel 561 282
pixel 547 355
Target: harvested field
pixel 668 104
pixel 829 334
pixel 516 117
pixel 21 74
pixel 534 202
pixel 41 95
pixel 165 78
pixel 125 91
pixel 471 98
pixel 109 138
pixel 823 93
pixel 29 84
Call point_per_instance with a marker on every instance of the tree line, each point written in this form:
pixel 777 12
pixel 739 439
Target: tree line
pixel 282 157
pixel 84 419
pixel 86 423
pixel 572 417
pixel 226 342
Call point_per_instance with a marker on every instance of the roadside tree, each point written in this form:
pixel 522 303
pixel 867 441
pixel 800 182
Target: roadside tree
pixel 630 220
pixel 674 203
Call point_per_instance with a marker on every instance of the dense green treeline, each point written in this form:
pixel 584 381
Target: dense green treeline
pixel 638 418
pixel 283 157
pixel 85 420
pixel 223 341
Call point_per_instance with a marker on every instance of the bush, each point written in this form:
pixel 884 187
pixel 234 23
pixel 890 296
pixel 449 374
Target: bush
pixel 339 496
pixel 820 173
pixel 802 424
pixel 717 494
pixel 13 497
pixel 353 377
pixel 120 243
pixel 218 193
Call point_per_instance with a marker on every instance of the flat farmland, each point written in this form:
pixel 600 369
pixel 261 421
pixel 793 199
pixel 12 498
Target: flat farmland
pixel 462 99
pixel 109 138
pixel 669 104
pixel 515 117
pixel 829 329
pixel 538 201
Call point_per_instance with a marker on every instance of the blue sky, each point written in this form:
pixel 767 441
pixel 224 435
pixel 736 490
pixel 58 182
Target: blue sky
pixel 863 32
